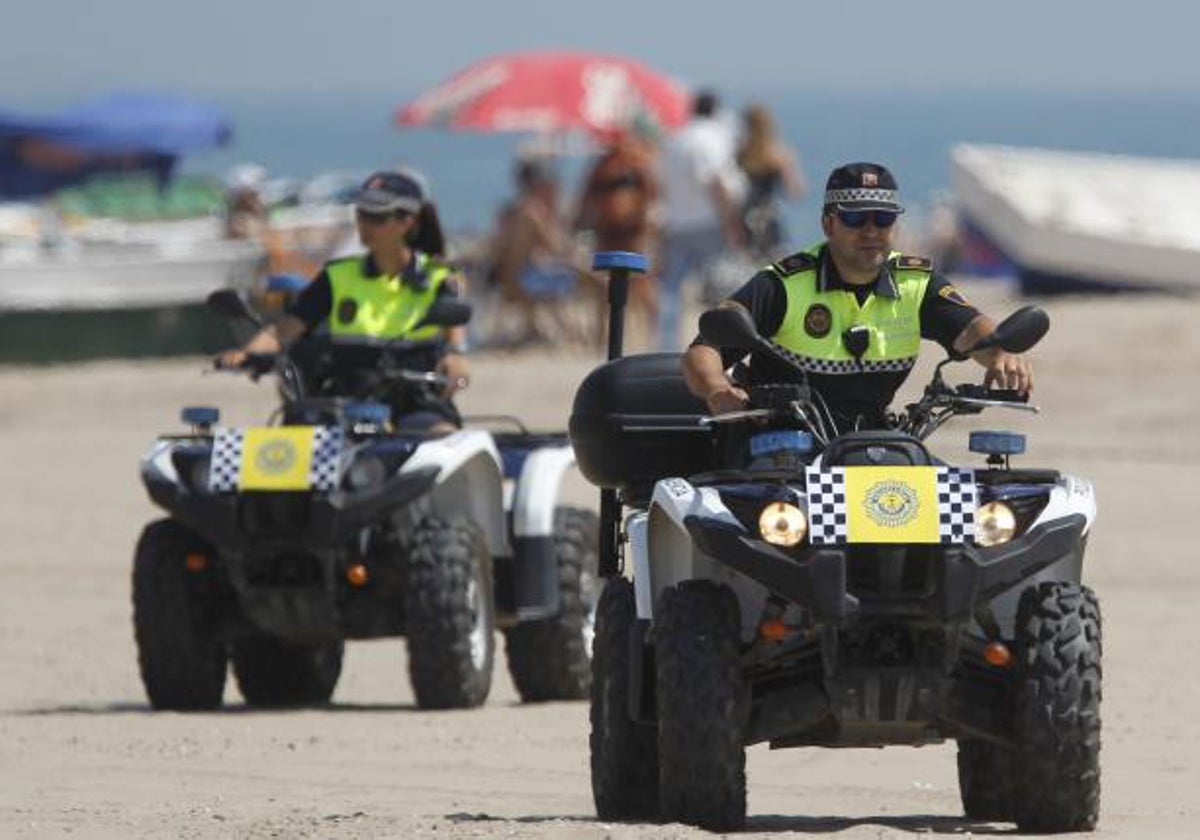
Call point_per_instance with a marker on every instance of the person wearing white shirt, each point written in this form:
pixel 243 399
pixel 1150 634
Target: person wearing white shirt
pixel 698 216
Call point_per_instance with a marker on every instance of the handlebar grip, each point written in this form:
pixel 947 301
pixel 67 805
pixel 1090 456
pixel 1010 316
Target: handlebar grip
pixel 978 392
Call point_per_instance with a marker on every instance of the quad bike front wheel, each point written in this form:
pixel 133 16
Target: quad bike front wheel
pixel 702 707
pixel 273 672
pixel 182 661
pixel 551 659
pixel 1057 713
pixel 624 751
pixel 448 612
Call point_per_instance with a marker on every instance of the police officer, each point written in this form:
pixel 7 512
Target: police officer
pixel 366 302
pixel 853 310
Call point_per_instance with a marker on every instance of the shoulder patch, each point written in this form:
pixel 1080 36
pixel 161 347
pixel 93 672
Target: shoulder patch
pixel 797 262
pixel 911 262
pixel 953 295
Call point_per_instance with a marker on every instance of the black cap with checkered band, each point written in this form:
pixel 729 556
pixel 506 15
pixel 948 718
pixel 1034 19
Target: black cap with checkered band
pixel 862 186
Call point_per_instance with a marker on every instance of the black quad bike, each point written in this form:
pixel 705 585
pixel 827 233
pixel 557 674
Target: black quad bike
pixel 775 581
pixel 327 524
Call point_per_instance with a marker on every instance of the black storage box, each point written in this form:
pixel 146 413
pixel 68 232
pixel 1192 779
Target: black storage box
pixel 635 422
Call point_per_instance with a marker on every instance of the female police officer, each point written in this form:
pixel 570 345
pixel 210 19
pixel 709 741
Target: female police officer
pixel 364 302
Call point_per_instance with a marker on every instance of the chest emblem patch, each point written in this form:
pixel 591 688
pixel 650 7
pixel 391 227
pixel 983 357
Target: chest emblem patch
pixel 891 504
pixel 818 320
pixel 346 310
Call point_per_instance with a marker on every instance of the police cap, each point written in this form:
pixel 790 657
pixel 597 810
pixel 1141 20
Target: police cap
pixel 862 186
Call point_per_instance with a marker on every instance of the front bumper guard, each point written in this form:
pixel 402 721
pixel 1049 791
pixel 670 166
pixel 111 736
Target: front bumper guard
pixel 331 518
pixel 816 578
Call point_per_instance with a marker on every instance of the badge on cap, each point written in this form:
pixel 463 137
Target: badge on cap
pixel 870 179
pixel 818 320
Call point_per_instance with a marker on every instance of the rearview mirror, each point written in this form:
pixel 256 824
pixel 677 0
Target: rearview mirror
pixel 447 312
pixel 1018 332
pixel 729 326
pixel 229 303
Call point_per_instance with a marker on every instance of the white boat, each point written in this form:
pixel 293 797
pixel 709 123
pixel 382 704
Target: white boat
pixel 109 265
pixel 1071 220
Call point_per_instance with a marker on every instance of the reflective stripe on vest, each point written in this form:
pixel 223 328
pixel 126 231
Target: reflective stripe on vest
pixel 381 308
pixel 813 325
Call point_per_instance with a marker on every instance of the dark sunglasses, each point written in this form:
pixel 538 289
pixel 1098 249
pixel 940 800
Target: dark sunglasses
pixel 379 218
pixel 857 218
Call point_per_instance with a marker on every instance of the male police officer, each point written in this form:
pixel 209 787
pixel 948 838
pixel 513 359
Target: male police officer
pixel 378 299
pixel 853 310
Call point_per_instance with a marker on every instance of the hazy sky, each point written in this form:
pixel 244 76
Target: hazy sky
pixel 57 50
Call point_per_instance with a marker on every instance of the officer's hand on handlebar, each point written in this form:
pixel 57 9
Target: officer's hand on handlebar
pixel 1008 371
pixel 230 359
pixel 726 399
pixel 457 370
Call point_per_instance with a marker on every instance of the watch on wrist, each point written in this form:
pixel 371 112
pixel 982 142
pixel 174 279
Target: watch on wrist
pixel 459 347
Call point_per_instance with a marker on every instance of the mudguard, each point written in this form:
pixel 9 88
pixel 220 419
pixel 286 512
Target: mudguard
pixel 469 482
pixel 675 556
pixel 536 494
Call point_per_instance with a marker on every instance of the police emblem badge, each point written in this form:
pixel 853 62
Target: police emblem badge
pixel 891 504
pixel 346 310
pixel 818 320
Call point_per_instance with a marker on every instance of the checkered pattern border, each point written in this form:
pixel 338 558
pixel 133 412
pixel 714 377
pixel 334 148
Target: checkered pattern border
pixel 862 194
pixel 827 511
pixel 326 458
pixel 225 469
pixel 956 505
pixel 826 490
pixel 837 367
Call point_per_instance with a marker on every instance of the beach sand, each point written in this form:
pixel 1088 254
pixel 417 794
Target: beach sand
pixel 81 755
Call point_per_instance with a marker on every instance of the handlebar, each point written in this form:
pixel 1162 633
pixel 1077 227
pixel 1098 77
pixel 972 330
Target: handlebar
pixel 991 395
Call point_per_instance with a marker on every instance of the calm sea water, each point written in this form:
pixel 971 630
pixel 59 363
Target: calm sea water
pixel 912 134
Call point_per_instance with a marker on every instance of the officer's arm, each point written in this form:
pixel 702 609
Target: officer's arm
pixel 705 375
pixel 270 339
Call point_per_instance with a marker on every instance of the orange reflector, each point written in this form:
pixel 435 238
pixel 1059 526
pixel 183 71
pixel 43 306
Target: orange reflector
pixel 773 630
pixel 995 653
pixel 357 575
pixel 195 562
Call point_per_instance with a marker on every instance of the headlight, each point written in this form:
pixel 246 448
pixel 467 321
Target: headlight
pixel 783 524
pixel 365 472
pixel 995 524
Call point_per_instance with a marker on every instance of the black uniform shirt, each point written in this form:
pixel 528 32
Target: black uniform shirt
pixel 855 399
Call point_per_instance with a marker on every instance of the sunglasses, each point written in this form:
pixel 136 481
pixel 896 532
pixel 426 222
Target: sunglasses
pixel 857 218
pixel 379 218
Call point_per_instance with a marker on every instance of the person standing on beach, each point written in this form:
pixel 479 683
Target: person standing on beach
pixel 853 311
pixel 617 204
pixel 378 298
pixel 772 173
pixel 699 210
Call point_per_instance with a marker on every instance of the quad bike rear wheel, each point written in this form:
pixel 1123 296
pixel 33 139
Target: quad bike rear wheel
pixel 985 780
pixel 273 672
pixel 181 659
pixel 624 751
pixel 551 659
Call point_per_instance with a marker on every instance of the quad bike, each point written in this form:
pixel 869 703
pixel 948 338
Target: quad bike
pixel 800 587
pixel 328 524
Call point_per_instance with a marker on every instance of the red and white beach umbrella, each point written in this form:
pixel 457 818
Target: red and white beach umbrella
pixel 550 92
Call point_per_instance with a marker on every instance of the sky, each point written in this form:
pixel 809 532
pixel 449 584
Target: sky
pixel 56 51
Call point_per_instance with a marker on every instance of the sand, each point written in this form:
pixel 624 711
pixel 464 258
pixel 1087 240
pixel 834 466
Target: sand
pixel 82 755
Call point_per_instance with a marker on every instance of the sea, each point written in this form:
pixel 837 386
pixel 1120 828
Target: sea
pixel 913 134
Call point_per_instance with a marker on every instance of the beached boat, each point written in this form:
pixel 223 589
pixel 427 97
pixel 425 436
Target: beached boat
pixel 1069 221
